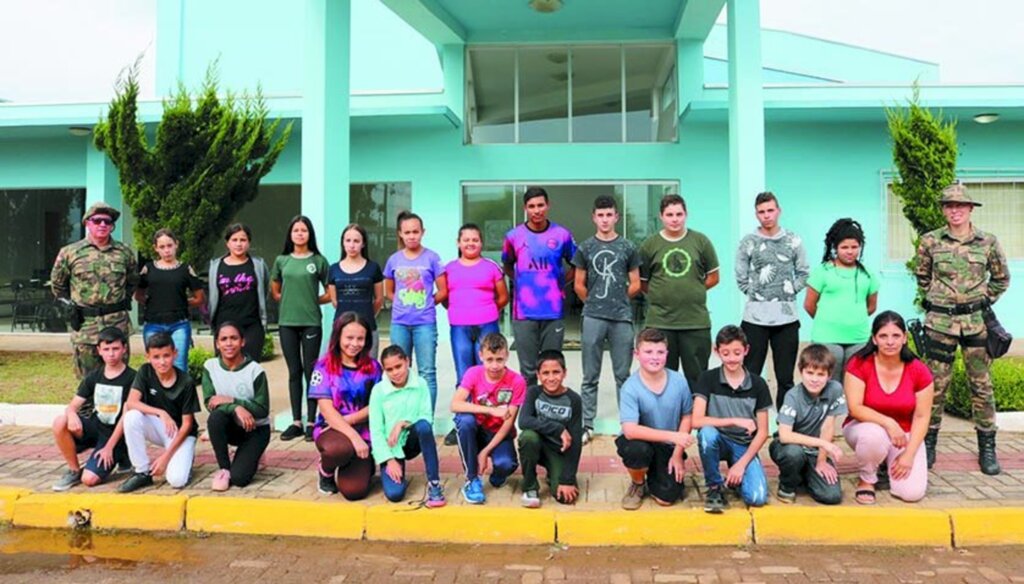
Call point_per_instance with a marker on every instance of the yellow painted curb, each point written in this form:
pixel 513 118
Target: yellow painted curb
pixel 8 495
pixel 988 526
pixel 276 517
pixel 653 527
pixel 825 525
pixel 460 524
pixel 102 510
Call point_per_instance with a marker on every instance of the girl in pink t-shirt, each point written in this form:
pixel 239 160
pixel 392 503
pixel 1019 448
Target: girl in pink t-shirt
pixel 476 295
pixel 889 392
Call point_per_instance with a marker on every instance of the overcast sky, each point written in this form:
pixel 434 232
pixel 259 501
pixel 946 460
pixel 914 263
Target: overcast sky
pixel 69 50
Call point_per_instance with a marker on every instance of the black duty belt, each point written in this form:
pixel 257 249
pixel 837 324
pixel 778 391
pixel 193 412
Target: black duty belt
pixel 94 311
pixel 959 309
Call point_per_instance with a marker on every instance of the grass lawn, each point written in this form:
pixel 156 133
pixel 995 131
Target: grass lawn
pixel 39 378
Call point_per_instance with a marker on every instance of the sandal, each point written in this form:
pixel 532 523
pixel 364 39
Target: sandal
pixel 865 496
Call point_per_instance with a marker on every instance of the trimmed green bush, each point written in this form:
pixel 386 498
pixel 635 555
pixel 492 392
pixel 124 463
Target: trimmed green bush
pixel 268 348
pixel 1007 379
pixel 197 356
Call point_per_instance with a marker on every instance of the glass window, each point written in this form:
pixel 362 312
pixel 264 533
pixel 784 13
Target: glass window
pixel 376 206
pixel 1001 213
pixel 491 95
pixel 650 94
pixel 543 95
pixel 597 94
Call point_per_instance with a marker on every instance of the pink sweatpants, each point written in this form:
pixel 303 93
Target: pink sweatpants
pixel 872 445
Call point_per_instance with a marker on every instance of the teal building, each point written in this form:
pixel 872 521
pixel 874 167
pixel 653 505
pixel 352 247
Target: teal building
pixel 452 107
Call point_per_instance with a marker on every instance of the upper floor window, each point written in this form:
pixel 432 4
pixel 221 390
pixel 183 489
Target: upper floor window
pixel 571 93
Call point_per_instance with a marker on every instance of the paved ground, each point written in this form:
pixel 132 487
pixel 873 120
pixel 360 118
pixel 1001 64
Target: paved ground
pixel 30 556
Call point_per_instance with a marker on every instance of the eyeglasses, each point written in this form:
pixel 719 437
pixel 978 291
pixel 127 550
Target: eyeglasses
pixel 101 221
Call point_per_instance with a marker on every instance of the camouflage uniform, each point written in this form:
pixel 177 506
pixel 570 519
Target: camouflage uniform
pixel 953 272
pixel 93 277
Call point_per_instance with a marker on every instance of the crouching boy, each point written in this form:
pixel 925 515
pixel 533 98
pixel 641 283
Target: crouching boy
pixel 654 410
pixel 161 410
pixel 551 421
pixel 93 418
pixel 731 410
pixel 807 423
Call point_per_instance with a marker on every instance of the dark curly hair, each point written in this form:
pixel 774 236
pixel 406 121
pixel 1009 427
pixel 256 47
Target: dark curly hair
pixel 843 229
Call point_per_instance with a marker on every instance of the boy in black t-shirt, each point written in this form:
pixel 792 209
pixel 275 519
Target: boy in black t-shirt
pixel 161 409
pixel 551 421
pixel 93 418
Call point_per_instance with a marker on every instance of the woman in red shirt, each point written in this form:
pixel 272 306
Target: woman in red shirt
pixel 889 392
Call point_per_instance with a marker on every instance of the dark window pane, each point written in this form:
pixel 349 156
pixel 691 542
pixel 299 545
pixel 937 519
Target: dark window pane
pixel 597 94
pixel 543 95
pixel 650 94
pixel 490 95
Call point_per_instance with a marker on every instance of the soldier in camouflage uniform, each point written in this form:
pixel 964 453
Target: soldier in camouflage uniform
pixel 98 275
pixel 962 271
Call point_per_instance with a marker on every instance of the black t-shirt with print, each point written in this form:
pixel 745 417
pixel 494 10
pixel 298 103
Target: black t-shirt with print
pixel 104 397
pixel 239 297
pixel 167 292
pixel 177 400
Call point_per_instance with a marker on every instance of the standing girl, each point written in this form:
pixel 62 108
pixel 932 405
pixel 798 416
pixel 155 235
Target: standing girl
pixel 476 294
pixel 236 394
pixel 295 282
pixel 356 283
pixel 164 288
pixel 842 294
pixel 238 290
pixel 411 274
pixel 341 383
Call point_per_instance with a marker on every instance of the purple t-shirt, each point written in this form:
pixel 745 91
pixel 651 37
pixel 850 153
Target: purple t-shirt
pixel 414 286
pixel 471 292
pixel 538 260
pixel 349 391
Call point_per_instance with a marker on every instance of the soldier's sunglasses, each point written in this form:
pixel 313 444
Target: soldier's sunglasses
pixel 101 221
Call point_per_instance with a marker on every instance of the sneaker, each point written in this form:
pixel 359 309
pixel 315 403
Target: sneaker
pixel 714 501
pixel 435 495
pixel 634 497
pixel 309 433
pixel 473 492
pixel 139 480
pixel 221 480
pixel 531 500
pixel 450 439
pixel 496 481
pixel 69 479
pixel 785 496
pixel 292 432
pixel 588 435
pixel 123 468
pixel 326 485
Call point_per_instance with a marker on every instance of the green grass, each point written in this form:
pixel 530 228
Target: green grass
pixel 39 378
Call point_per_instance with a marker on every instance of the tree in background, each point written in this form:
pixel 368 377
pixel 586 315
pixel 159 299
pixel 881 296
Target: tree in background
pixel 924 150
pixel 205 163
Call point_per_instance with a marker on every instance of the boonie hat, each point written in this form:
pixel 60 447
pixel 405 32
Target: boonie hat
pixel 957 193
pixel 101 208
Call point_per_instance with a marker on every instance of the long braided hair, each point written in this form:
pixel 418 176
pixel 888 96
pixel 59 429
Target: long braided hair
pixel 843 229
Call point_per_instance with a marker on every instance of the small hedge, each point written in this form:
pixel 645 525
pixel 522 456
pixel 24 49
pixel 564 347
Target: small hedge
pixel 268 348
pixel 1007 379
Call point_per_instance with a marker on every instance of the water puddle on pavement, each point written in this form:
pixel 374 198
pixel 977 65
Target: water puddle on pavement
pixel 27 550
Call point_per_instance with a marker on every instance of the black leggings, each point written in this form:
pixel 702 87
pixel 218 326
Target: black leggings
pixel 224 429
pixel 338 454
pixel 301 347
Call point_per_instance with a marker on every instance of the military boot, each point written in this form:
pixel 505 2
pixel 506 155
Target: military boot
pixel 930 440
pixel 987 452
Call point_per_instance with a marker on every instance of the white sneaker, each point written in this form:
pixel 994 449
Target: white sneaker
pixel 588 435
pixel 531 500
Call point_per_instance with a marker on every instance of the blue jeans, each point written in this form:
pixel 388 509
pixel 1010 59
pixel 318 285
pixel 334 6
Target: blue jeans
pixel 714 448
pixel 181 334
pixel 471 437
pixel 420 440
pixel 466 345
pixel 420 339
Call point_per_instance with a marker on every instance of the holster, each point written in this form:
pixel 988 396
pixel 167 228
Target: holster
pixel 72 313
pixel 916 328
pixel 999 339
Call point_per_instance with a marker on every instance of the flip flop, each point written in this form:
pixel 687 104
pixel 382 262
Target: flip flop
pixel 865 496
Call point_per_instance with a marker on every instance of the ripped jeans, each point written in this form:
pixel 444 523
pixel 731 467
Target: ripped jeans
pixel 714 448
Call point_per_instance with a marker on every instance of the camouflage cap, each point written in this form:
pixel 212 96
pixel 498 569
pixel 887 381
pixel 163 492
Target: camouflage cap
pixel 101 208
pixel 957 193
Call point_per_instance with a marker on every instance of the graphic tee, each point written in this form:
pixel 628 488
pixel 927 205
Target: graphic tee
pixel 660 411
pixel 471 292
pixel 178 400
pixel 348 389
pixel 239 294
pixel 104 397
pixel 537 258
pixel 842 315
pixel 751 397
pixel 354 291
pixel 167 292
pixel 807 414
pixel 414 286
pixel 510 390
pixel 300 280
pixel 550 415
pixel 608 264
pixel 901 403
pixel 675 273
